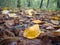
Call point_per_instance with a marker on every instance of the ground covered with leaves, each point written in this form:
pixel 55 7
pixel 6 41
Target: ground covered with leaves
pixel 13 23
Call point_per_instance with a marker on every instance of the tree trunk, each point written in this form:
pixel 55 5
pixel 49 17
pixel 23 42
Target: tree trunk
pixel 41 3
pixel 47 3
pixel 58 3
pixel 28 3
pixel 18 3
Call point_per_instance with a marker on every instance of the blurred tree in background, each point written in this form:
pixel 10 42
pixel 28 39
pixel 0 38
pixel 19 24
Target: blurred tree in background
pixel 43 4
pixel 28 3
pixel 18 3
pixel 8 3
pixel 58 3
pixel 47 3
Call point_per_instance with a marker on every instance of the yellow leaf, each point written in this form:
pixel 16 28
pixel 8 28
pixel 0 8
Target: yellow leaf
pixel 55 18
pixel 37 21
pixel 29 12
pixel 32 32
pixel 4 8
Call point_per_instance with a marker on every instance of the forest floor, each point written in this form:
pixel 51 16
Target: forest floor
pixel 13 22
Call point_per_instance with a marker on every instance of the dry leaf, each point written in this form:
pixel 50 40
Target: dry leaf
pixel 10 22
pixel 55 18
pixel 29 12
pixel 55 21
pixel 4 8
pixel 58 30
pixel 49 28
pixel 57 27
pixel 32 32
pixel 56 33
pixel 5 12
pixel 12 15
pixel 11 10
pixel 37 21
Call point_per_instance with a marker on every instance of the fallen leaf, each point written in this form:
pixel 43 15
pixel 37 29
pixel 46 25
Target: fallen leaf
pixel 55 33
pixel 29 12
pixel 57 27
pixel 37 21
pixel 57 30
pixel 55 21
pixel 55 18
pixel 32 32
pixel 4 8
pixel 5 12
pixel 49 27
pixel 12 15
pixel 10 22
